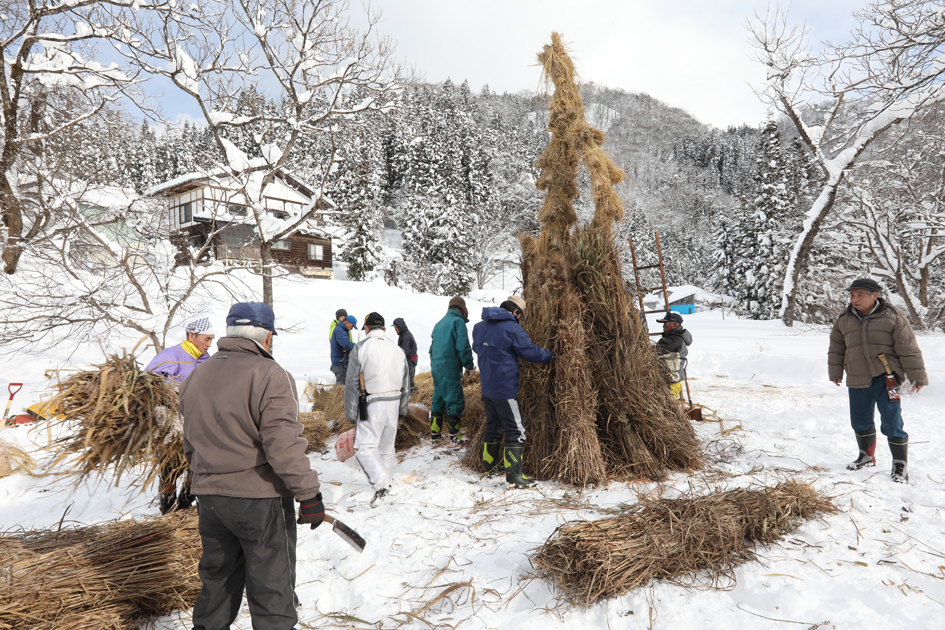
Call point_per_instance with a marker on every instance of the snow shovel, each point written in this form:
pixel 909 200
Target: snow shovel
pixel 347 534
pixel 892 385
pixel 13 392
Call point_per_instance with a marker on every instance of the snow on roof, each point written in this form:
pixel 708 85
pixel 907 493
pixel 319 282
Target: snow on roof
pixel 254 165
pixel 682 292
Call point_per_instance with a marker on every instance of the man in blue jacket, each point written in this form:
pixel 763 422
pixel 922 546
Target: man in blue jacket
pixel 500 341
pixel 341 345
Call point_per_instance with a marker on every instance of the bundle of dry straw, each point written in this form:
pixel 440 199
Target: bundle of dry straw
pixel 672 539
pixel 117 415
pixel 601 410
pixel 105 577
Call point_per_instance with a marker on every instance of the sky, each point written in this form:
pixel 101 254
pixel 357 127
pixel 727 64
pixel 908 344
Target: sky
pixel 690 54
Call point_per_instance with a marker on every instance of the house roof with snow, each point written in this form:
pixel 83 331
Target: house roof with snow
pixel 257 168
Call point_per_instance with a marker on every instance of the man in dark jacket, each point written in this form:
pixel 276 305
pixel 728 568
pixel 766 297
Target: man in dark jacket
pixel 241 440
pixel 409 345
pixel 341 345
pixel 675 339
pixel 868 328
pixel 449 354
pixel 500 341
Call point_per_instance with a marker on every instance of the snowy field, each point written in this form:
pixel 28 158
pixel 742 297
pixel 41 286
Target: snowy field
pixel 450 549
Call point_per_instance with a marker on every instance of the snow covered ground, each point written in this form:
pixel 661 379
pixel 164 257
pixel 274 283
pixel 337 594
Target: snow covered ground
pixel 449 549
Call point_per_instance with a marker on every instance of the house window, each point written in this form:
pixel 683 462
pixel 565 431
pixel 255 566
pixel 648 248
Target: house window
pixel 282 244
pixel 186 213
pixel 316 252
pixel 236 210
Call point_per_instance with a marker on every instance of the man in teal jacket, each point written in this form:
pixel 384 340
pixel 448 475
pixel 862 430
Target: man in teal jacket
pixel 449 354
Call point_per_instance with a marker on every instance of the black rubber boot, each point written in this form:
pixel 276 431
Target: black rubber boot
pixel 492 458
pixel 899 448
pixel 452 426
pixel 513 466
pixel 436 428
pixel 866 441
pixel 168 502
pixel 185 500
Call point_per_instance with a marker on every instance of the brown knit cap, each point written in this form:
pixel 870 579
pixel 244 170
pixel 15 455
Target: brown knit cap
pixel 517 301
pixel 459 303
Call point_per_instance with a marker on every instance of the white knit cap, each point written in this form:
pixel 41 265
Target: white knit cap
pixel 199 325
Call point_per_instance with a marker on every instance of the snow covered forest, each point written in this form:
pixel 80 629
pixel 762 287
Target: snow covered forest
pixel 448 170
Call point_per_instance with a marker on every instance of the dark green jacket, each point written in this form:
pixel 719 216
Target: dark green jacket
pixel 450 351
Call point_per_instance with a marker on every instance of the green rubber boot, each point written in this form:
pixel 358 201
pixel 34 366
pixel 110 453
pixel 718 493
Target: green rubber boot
pixel 436 428
pixel 452 426
pixel 513 466
pixel 492 458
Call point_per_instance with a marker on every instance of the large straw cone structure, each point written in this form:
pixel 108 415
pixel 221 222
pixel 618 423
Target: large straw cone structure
pixel 601 410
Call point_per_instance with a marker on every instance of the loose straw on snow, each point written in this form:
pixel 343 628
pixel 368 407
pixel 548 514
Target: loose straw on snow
pixel 672 539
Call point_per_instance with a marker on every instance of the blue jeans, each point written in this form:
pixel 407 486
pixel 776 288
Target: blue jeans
pixel 863 402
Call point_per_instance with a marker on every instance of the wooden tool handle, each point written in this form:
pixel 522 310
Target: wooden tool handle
pixel 882 358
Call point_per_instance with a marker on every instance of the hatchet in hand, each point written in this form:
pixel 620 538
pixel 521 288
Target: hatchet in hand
pixel 347 534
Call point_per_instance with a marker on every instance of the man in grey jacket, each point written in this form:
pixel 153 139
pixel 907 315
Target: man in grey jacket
pixel 868 328
pixel 387 382
pixel 241 440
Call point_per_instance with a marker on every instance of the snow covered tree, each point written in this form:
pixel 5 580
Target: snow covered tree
pixel 116 265
pixel 358 192
pixel 51 83
pixel 769 210
pixel 890 71
pixel 310 58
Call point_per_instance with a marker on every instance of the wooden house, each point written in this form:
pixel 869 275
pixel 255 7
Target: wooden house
pixel 201 205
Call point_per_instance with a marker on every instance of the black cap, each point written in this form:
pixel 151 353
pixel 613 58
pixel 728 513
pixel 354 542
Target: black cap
pixel 374 320
pixel 256 314
pixel 671 317
pixel 865 283
pixel 341 313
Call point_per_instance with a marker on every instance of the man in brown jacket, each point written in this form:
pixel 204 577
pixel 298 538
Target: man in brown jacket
pixel 241 440
pixel 868 328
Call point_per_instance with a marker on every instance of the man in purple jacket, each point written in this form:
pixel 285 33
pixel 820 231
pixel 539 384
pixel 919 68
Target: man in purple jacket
pixel 175 364
pixel 500 341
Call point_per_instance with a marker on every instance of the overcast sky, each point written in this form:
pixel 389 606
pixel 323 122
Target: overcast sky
pixel 691 54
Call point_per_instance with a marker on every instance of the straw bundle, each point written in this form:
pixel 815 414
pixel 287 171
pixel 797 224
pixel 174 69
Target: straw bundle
pixel 601 410
pixel 410 432
pixel 330 401
pixel 14 459
pixel 315 431
pixel 117 415
pixel 105 577
pixel 577 458
pixel 673 539
pixel 423 384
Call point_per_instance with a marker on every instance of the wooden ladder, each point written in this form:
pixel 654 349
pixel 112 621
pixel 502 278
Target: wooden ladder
pixel 642 289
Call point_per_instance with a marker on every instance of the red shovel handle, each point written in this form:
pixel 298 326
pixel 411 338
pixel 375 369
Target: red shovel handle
pixel 12 391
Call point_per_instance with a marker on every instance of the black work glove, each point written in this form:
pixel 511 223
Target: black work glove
pixel 312 511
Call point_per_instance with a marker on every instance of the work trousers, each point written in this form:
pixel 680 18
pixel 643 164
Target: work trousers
pixel 863 403
pixel 340 372
pixel 412 368
pixel 374 440
pixel 503 416
pixel 448 396
pixel 247 543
